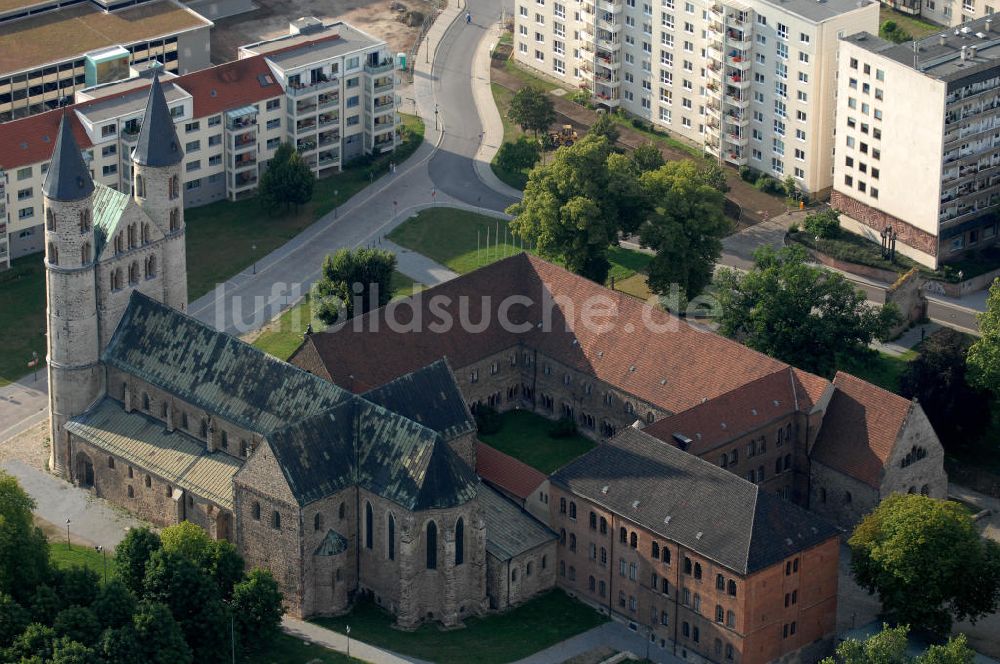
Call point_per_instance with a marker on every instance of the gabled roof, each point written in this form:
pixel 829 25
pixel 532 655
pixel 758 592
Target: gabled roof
pixel 428 396
pixel 510 531
pixel 666 362
pixel 30 140
pixel 158 144
pixel 860 429
pixel 68 178
pixel 109 204
pixel 507 473
pixel 213 370
pixel 230 85
pixel 692 502
pixel 334 543
pixel 809 389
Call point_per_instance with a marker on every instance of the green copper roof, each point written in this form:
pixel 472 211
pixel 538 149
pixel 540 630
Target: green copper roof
pixel 109 205
pixel 333 544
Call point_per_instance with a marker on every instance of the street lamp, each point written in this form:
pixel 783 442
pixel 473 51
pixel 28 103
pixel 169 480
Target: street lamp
pixel 427 49
pixel 67 533
pixel 435 117
pixel 100 549
pixel 253 249
pixel 348 630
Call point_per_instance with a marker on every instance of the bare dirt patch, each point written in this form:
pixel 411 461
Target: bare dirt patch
pixel 376 17
pixel 30 446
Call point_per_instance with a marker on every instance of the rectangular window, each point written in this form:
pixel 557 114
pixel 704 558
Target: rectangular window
pixel 192 126
pixel 109 150
pixel 110 169
pixel 215 140
pixel 274 124
pixel 353 121
pixel 26 213
pixel 215 160
pixel 352 102
pixel 25 194
pixel 193 165
pixel 192 146
pixel 24 173
pixel 216 120
pixel 109 130
pixel 272 104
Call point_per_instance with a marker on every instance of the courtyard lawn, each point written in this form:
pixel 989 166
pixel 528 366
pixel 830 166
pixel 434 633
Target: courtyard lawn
pixel 283 335
pixel 221 236
pixel 286 649
pixel 506 637
pixel 879 369
pixel 22 317
pixel 458 240
pixel 77 555
pixel 916 26
pixel 525 436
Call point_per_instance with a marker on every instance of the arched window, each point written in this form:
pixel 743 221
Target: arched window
pixel 601 588
pixel 131 491
pixel 151 267
pixel 562 536
pixel 85 253
pixel 572 542
pixel 591 584
pixel 777 465
pixel 562 505
pixel 317 522
pixel 148 481
pixel 111 462
pixel 459 541
pixel 513 575
pixel 170 491
pixel 562 568
pixel 720 616
pixel 633 540
pixel 666 556
pixel 50 219
pixel 622 535
pixel 655 550
pixel 276 519
pixel 84 220
pixel 133 273
pixel 119 243
pixel 720 582
pixel 390 536
pixel 604 526
pixel 697 570
pixel 53 254
pixel 244 448
pixel 847 498
pixel 593 520
pixel 174 187
pixel 203 428
pixel 175 219
pixel 724 461
pixel 145 401
pixel 545 562
pixel 788 462
pixel 140 186
pixel 369 525
pixel 732 588
pixel 132 238
pixel 925 490
pixel 341 510
pixel 572 509
pixel 432 545
pixel 528 569
pixel 650 417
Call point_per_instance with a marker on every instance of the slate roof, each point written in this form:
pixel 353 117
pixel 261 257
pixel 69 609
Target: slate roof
pixel 68 178
pixel 144 442
pixel 692 502
pixel 428 396
pixel 504 471
pixel 333 544
pixel 158 144
pixel 860 429
pixel 671 363
pixel 510 531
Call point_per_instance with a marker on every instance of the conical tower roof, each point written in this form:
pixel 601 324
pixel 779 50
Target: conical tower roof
pixel 68 178
pixel 158 144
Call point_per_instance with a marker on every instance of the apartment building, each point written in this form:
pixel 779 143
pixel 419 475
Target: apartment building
pixel 753 82
pixel 230 119
pixel 48 51
pixel 935 189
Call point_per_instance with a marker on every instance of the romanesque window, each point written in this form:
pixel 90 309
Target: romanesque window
pixel 513 575
pixel 148 481
pixel 144 233
pixel 545 561
pixel 317 522
pixel 591 584
pixel 562 536
pixel 666 556
pixel 203 428
pixel 572 542
pixel 140 186
pixel 390 537
pixel 131 491
pixel 184 420
pixel 432 543
pixel 777 465
pixel 731 619
pixel 915 454
pixel 85 253
pixel 734 457
pixel 119 243
pixel 593 520
pixel 629 408
pixel 724 460
pixel 562 505
pixel 131 472
pixel 50 219
pixel 655 550
pixel 133 273
pixel 174 187
pixel 729 651
pixel 369 525
pixel 602 588
pixel 84 220
pixel 256 511
pixel 528 569
pixel 572 510
pixel 633 540
pixel 720 613
pixel 111 462
pixel 132 240
pixel 341 511
pixel 688 565
pixel 664 586
pixel 459 541
pixel 697 603
pixel 650 417
pixel 604 557
pixel 151 267
pixel 53 254
pixel 244 448
pixel 623 535
pixel 847 498
pixel 604 526
pixel 145 401
pixel 275 520
pixel 925 490
pixel 175 219
pixel 720 582
pixel 697 570
pixel 224 440
pixel 751 448
pixel 170 491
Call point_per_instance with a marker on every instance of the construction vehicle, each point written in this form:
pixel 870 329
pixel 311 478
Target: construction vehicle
pixel 566 136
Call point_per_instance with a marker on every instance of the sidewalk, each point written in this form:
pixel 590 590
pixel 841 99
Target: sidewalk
pixel 341 643
pixel 23 404
pixel 611 634
pixel 489 116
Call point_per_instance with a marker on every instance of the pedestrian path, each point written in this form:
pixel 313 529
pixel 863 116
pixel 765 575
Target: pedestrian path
pixel 23 403
pixel 341 643
pixel 908 340
pixel 611 634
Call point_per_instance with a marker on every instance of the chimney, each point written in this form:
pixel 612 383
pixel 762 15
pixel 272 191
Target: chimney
pixel 942 39
pixel 965 53
pixel 988 24
pixel 972 52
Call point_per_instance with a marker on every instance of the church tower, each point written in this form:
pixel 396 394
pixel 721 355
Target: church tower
pixel 156 188
pixel 70 281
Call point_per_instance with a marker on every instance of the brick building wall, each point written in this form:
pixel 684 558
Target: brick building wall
pixel 877 220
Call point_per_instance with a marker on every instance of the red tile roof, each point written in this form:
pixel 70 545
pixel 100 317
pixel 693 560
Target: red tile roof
pixel 860 429
pixel 30 140
pixel 809 389
pixel 507 473
pixel 644 351
pixel 230 85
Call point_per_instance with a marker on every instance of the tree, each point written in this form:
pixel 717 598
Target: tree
pixel 685 227
pixel 132 554
pixel 984 355
pixel 647 157
pixel 121 646
pixel 257 607
pixel 566 211
pixel 79 624
pixel 926 561
pixel 114 605
pixel 298 183
pixel 13 619
pixel 44 604
pixel 35 640
pixel 24 551
pixel 159 636
pixel 889 647
pixel 714 176
pixel 354 282
pixel 937 379
pixel 217 558
pixel 77 586
pixel 604 127
pixel 227 567
pixel 825 223
pixel 68 651
pixel 798 313
pixel 287 180
pixel 518 156
pixel 890 31
pixel 532 110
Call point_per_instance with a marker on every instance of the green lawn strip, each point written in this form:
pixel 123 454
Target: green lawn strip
pixel 287 649
pixel 283 335
pixel 22 317
pixel 525 436
pixel 458 240
pixel 221 236
pixel 506 637
pixel 76 555
pixel 658 137
pixel 526 77
pixel 879 369
pixel 914 25
pixel 511 132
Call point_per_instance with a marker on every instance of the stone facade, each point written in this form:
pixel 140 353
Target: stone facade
pixel 512 582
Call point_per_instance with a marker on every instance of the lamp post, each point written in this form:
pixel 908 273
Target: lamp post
pixel 427 49
pixel 100 549
pixel 67 533
pixel 253 249
pixel 348 630
pixel 435 117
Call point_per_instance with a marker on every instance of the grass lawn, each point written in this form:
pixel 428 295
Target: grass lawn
pixel 221 236
pixel 283 335
pixel 22 316
pixel 916 26
pixel 526 77
pixel 286 649
pixel 525 436
pixel 511 132
pixel 457 239
pixel 79 556
pixel 533 626
pixel 658 137
pixel 880 369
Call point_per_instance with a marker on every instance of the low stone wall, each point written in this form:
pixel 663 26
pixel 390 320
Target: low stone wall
pixel 971 285
pixel 905 293
pixel 866 271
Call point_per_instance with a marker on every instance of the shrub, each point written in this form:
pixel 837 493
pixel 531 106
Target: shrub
pixel 747 174
pixel 793 227
pixel 488 420
pixel 639 124
pixel 563 428
pixel 825 224
pixel 768 185
pixel 519 155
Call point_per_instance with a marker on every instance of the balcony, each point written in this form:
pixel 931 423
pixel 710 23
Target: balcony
pixel 245 161
pixel 129 135
pixel 605 6
pixel 329 138
pixel 328 158
pixel 738 38
pixel 384 66
pixel 244 179
pixel 305 125
pixel 327 119
pixel 737 80
pixel 737 19
pixel 383 106
pixel 738 139
pixel 382 127
pixel 244 141
pixel 738 118
pixel 381 85
pixel 608 24
pixel 306 107
pixel 612 46
pixel 736 157
pixel 384 145
pixel 738 59
pixel 303 90
pixel 717 10
pixel 305 145
pixel 326 100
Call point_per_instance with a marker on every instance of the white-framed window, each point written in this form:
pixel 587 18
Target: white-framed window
pixel 558 66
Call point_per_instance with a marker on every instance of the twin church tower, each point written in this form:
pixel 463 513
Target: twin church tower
pixel 101 245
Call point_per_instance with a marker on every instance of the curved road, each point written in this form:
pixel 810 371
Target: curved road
pixel 451 168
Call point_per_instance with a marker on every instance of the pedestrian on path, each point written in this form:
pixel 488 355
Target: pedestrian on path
pixel 468 18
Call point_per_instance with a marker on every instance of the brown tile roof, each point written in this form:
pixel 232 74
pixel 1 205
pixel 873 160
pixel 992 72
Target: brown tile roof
pixel 230 85
pixel 731 415
pixel 31 139
pixel 809 388
pixel 505 472
pixel 860 429
pixel 666 362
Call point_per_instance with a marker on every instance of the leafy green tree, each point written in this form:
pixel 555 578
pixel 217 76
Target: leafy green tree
pixel 825 223
pixel 566 211
pixel 354 282
pixel 532 110
pixel 115 604
pixel 13 619
pixel 959 412
pixel 519 155
pixel 132 554
pixel 714 176
pixel 925 560
pixel 287 180
pixel 44 604
pixel 24 551
pixel 68 651
pixel 955 651
pixel 890 31
pixel 160 638
pixel 623 192
pixel 685 227
pixel 257 607
pixel 647 157
pixel 79 624
pixel 299 181
pixel 889 647
pixel 604 126
pixel 228 567
pixel 984 355
pixel 798 313
pixel 35 640
pixel 217 558
pixel 77 586
pixel 121 646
